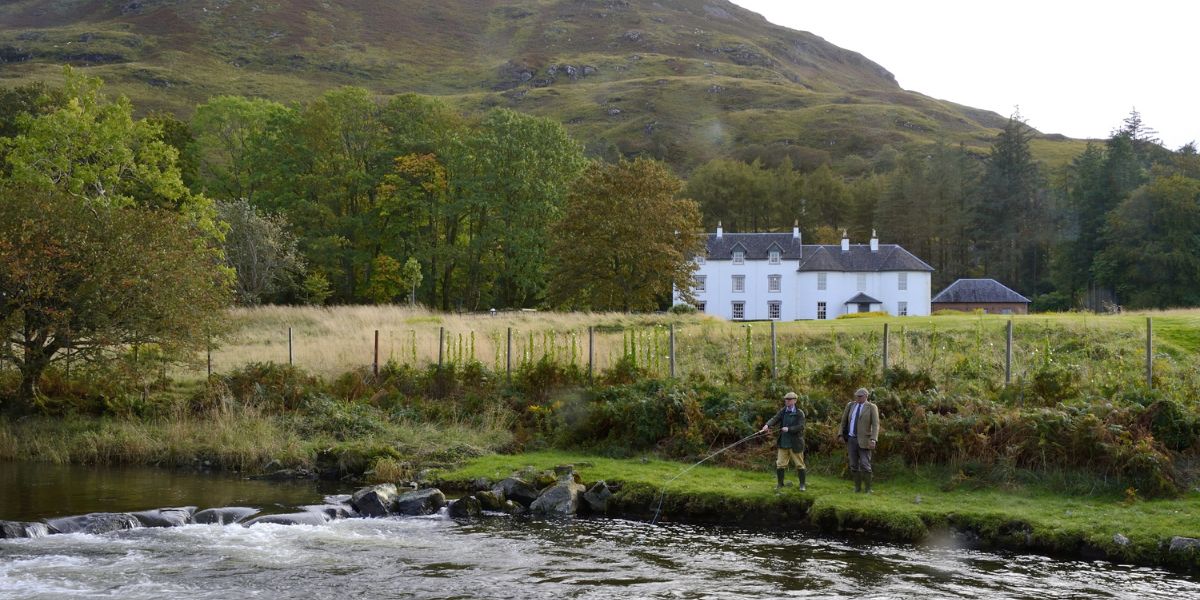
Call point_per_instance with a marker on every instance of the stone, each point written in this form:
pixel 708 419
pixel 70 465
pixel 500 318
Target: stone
pixel 516 490
pixel 375 501
pixel 481 483
pixel 489 500
pixel 1120 540
pixel 597 498
pixel 299 518
pixel 165 517
pixel 224 516
pixel 1183 544
pixel 612 112
pixel 466 507
pixel 94 523
pixel 21 529
pixel 420 502
pixel 332 511
pixel 560 499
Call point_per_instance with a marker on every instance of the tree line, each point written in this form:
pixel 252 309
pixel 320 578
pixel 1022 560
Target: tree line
pixel 1112 228
pixel 118 232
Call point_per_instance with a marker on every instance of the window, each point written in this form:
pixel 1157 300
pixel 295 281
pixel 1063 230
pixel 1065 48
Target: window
pixel 739 283
pixel 699 307
pixel 820 310
pixel 773 257
pixel 1006 311
pixel 739 311
pixel 774 283
pixel 739 257
pixel 862 282
pixel 822 281
pixel 700 282
pixel 774 308
pixel 902 281
pixel 902 309
pixel 699 260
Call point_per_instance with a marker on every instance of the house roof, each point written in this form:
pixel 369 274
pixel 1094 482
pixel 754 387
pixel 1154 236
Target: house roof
pixel 815 257
pixel 978 290
pixel 862 298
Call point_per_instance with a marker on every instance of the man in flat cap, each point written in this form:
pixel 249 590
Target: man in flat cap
pixel 860 430
pixel 790 444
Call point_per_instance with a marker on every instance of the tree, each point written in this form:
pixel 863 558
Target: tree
pixel 226 130
pixel 260 249
pixel 91 277
pixel 1151 257
pixel 731 192
pixel 1011 225
pixel 625 239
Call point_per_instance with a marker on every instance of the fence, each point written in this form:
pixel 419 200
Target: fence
pixel 714 350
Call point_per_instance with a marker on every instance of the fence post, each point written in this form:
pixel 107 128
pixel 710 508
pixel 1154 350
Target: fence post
pixel 1149 353
pixel 375 363
pixel 508 356
pixel 672 350
pixel 774 354
pixel 441 344
pixel 1008 353
pixel 885 346
pixel 290 346
pixel 591 353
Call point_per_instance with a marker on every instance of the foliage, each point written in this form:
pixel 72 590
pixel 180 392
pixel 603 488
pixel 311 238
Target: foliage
pixel 625 241
pixel 91 278
pixel 260 249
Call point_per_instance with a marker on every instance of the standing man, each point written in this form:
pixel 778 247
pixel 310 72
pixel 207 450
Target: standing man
pixel 860 430
pixel 791 439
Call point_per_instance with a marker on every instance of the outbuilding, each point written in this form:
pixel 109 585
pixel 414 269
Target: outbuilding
pixel 988 295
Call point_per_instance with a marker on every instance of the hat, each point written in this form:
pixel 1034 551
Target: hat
pixel 862 392
pixel 789 396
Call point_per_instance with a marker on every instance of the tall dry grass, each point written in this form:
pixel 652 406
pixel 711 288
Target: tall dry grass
pixel 330 341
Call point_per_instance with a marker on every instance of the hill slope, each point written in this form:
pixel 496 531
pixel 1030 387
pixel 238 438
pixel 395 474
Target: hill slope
pixel 685 80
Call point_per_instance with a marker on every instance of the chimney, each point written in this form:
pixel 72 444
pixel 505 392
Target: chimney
pixel 796 230
pixel 874 242
pixel 845 242
pixel 720 231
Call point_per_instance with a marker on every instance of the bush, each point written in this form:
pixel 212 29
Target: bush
pixel 683 309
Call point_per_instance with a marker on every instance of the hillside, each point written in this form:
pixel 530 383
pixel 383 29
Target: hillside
pixel 685 80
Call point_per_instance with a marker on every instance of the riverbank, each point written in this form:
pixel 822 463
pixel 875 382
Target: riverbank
pixel 914 506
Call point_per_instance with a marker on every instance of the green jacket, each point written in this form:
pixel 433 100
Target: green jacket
pixel 794 437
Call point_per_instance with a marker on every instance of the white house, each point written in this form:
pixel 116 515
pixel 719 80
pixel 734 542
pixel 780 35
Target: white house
pixel 759 276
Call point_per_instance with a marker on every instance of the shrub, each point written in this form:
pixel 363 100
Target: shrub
pixel 683 309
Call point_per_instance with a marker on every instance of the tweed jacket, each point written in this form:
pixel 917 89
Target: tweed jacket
pixel 867 426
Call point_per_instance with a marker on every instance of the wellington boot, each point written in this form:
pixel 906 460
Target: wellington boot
pixel 779 479
pixel 857 481
pixel 867 476
pixel 802 474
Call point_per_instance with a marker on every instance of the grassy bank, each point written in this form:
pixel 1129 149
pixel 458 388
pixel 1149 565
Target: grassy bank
pixel 909 505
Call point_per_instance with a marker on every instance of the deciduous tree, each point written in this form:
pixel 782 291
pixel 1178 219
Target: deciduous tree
pixel 625 239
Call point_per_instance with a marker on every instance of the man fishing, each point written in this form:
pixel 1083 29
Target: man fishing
pixel 791 440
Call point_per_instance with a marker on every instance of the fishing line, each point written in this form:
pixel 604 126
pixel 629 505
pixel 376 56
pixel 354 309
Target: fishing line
pixel 662 494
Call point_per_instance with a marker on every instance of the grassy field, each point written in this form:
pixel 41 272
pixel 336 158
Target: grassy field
pixel 330 341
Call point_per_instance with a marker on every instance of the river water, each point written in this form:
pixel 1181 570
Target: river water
pixel 496 557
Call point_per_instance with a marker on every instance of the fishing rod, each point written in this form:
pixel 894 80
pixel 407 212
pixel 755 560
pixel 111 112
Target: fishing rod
pixel 662 494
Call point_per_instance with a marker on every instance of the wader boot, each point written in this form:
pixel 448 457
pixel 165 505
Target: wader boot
pixel 801 473
pixel 857 481
pixel 779 478
pixel 867 477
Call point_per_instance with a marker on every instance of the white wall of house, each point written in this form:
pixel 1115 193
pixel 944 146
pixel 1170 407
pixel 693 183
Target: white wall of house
pixel 799 294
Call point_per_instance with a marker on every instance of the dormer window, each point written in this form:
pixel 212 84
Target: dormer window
pixel 699 260
pixel 773 256
pixel 739 257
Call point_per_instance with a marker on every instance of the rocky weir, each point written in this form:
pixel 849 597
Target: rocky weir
pixel 560 494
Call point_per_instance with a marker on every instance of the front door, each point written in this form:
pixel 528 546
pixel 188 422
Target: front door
pixel 864 307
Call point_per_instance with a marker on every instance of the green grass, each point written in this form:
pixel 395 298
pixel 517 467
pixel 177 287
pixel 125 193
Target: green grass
pixel 909 504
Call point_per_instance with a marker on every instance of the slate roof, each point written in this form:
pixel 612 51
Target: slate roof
pixel 978 290
pixel 815 257
pixel 862 298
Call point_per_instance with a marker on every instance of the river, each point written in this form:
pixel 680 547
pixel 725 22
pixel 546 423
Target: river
pixel 496 557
